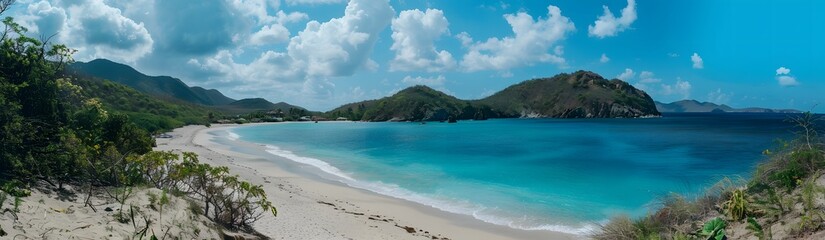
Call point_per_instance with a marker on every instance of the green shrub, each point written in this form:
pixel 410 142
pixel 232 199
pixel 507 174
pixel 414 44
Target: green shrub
pixel 714 229
pixel 736 207
pixel 228 201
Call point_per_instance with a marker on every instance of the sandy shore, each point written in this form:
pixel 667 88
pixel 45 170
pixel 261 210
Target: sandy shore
pixel 314 208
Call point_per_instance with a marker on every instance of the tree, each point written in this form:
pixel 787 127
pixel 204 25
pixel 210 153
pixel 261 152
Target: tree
pixel 32 118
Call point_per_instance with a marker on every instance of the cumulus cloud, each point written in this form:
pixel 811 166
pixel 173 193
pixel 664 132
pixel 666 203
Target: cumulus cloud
pixel 270 34
pixel 94 28
pixel 626 75
pixel 608 25
pixel 335 48
pixel 414 34
pixel 784 78
pixel 341 45
pixel 647 81
pixel 44 19
pixel 604 58
pixel 679 88
pixel 465 39
pixel 698 63
pixel 648 77
pixel 531 43
pixel 783 71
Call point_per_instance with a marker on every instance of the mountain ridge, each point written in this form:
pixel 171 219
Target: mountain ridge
pixel 171 88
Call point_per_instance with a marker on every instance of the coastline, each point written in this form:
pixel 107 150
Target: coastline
pixel 311 207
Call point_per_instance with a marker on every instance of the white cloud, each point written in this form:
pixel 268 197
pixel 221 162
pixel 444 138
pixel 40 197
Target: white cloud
pixel 341 45
pixel 531 43
pixel 312 2
pixel 414 34
pixel 338 47
pixel 784 78
pixel 269 34
pixel 94 28
pixel 45 19
pixel 648 77
pixel 680 88
pixel 787 81
pixel 626 75
pixel 465 39
pixel 783 71
pixel 698 63
pixel 673 55
pixel 604 58
pixel 430 81
pixel 255 8
pixel 608 25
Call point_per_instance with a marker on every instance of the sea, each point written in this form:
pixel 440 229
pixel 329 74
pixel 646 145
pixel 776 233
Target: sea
pixel 565 175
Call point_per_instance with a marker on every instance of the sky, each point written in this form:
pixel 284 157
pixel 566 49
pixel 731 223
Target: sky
pixel 320 54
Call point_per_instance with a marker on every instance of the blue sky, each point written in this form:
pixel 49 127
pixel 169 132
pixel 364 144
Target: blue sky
pixel 324 53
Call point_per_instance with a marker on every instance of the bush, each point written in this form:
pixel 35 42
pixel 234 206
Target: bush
pixel 233 203
pixel 736 207
pixel 226 200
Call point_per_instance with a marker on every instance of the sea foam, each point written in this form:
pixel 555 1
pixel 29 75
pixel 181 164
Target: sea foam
pixel 323 166
pixel 232 136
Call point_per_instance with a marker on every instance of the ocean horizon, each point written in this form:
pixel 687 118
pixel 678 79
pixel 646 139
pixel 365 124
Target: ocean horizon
pixel 563 175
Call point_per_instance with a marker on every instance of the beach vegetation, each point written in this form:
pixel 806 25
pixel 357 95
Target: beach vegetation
pixel 736 207
pixel 757 229
pixel 714 229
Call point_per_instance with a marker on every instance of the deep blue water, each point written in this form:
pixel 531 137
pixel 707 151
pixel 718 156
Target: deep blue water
pixel 554 174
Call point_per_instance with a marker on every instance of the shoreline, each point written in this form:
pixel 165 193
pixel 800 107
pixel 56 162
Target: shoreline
pixel 312 207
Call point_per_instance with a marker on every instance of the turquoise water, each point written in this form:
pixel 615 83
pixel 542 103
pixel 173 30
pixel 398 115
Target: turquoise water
pixel 551 174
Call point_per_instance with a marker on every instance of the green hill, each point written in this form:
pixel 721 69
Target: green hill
pixel 418 103
pixel 162 86
pixel 173 89
pixel 579 95
pixel 145 110
pixel 211 95
pixel 582 94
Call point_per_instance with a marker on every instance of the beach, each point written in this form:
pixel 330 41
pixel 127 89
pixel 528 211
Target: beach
pixel 310 207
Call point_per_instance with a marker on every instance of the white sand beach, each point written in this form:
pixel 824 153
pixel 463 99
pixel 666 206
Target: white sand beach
pixel 314 208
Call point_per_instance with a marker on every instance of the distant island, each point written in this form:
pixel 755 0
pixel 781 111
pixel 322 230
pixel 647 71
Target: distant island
pixel 698 107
